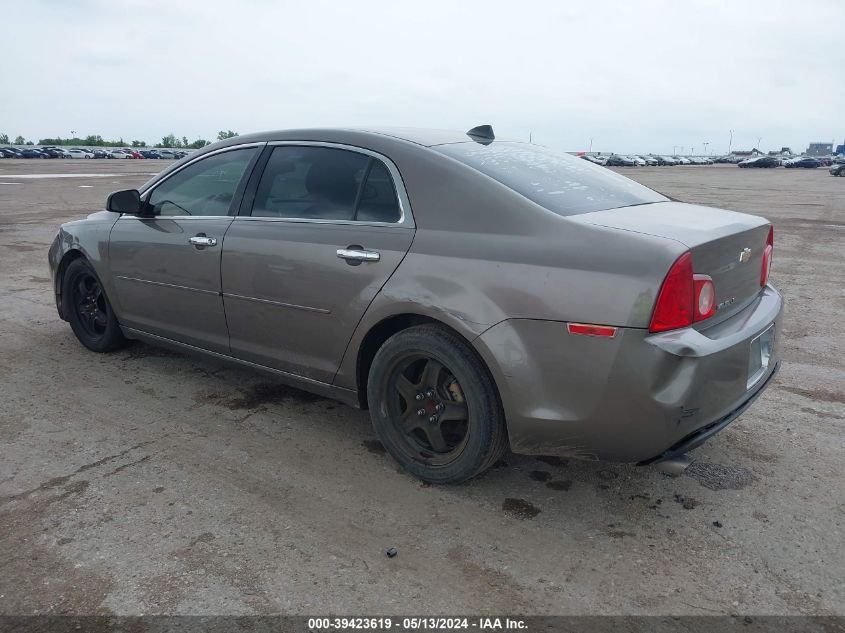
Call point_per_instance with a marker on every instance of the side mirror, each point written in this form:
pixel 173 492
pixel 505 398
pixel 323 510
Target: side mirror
pixel 127 201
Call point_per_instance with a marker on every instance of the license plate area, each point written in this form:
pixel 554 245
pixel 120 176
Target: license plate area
pixel 759 354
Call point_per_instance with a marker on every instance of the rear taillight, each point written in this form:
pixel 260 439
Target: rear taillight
pixel 767 257
pixel 684 298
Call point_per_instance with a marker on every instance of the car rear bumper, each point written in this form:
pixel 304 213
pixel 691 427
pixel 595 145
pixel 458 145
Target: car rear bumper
pixel 636 397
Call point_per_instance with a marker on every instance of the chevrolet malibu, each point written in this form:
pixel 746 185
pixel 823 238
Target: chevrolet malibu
pixel 475 294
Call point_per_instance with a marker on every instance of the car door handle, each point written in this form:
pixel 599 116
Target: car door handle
pixel 202 240
pixel 358 255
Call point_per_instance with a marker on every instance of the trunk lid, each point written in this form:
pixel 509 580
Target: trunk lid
pixel 717 238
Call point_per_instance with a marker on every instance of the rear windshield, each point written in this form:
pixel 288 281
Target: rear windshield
pixel 559 182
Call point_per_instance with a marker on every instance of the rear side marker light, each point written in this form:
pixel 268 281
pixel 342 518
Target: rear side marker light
pixel 591 330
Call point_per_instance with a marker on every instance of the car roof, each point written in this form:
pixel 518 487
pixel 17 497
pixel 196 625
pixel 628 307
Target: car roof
pixel 419 136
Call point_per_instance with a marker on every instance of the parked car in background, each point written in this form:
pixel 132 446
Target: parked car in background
pixel 80 153
pixel 806 162
pixel 118 153
pixel 150 154
pixel 6 152
pixel 682 160
pixel 837 169
pixel 54 152
pixel 168 154
pixel 617 160
pixel 666 161
pixel 650 161
pixel 592 159
pixel 759 161
pixel 31 152
pixel 51 152
pixel 345 272
pixel 99 153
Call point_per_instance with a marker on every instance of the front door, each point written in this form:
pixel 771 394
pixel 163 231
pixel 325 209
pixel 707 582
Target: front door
pixel 323 234
pixel 166 267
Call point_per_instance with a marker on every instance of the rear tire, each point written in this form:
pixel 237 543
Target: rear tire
pixel 88 309
pixel 434 406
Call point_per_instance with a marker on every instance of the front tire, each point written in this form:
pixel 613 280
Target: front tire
pixel 434 405
pixel 88 309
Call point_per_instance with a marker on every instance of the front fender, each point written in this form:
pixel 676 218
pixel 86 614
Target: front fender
pixel 88 238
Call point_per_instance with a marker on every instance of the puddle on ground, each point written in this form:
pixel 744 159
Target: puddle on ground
pixel 374 446
pixel 563 484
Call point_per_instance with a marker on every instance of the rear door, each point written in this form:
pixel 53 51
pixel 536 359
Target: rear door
pixel 167 267
pixel 321 230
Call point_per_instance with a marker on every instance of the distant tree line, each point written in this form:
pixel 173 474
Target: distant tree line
pixel 95 140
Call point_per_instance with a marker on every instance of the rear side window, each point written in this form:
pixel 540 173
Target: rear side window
pixel 325 183
pixel 378 201
pixel 559 182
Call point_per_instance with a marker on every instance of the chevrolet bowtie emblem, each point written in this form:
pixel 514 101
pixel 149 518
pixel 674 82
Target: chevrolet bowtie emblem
pixel 744 255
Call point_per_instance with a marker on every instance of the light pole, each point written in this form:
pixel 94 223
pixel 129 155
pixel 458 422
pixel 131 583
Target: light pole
pixel 759 138
pixel 730 141
pixel 705 147
pixel 591 146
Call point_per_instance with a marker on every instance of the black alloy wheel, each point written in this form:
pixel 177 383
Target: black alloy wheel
pixel 86 306
pixel 435 406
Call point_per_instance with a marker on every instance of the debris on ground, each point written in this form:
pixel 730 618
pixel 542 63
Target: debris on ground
pixel 519 508
pixel 720 477
pixel 391 552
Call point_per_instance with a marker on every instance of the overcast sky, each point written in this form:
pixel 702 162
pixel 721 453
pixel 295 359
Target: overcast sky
pixel 633 76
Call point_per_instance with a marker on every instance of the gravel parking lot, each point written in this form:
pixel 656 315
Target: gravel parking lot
pixel 149 482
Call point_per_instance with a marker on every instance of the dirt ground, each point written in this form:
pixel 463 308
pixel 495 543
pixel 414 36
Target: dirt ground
pixel 147 482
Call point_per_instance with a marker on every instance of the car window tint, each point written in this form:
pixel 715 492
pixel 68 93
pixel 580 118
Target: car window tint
pixel 310 182
pixel 559 182
pixel 378 201
pixel 206 187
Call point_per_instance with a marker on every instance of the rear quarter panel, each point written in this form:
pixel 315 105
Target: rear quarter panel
pixel 483 254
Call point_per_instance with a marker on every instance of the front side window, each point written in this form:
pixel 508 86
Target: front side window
pixel 325 183
pixel 559 182
pixel 204 188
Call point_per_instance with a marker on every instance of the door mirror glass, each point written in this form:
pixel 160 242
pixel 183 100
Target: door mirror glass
pixel 127 201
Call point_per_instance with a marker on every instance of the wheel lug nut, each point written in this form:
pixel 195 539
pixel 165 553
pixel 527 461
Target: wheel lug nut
pixel 430 392
pixel 421 412
pixel 440 406
pixel 419 396
pixel 433 419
